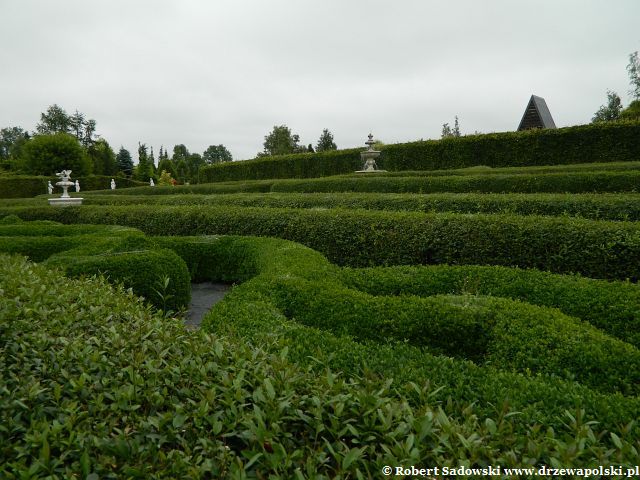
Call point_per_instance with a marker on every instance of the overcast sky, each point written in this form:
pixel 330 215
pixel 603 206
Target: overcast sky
pixel 225 72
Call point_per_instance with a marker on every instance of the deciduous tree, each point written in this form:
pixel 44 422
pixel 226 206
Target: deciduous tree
pixel 281 142
pixel 610 111
pixel 49 154
pixel 216 154
pixel 634 75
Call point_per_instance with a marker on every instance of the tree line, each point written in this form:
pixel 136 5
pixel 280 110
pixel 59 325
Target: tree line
pixel 69 141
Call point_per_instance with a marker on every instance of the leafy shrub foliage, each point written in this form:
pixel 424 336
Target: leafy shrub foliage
pixel 96 384
pixel 572 182
pixel 594 206
pixel 49 154
pixel 613 307
pixel 596 249
pixel 122 254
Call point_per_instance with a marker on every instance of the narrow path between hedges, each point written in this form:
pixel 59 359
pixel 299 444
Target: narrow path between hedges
pixel 203 296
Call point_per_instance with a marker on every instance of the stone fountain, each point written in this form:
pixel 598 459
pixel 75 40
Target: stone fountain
pixel 369 157
pixel 65 182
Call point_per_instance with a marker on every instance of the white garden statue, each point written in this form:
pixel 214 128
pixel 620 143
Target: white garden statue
pixel 113 184
pixel 151 182
pixel 77 186
pixel 49 187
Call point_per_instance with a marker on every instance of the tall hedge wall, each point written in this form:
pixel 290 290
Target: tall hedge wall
pixel 23 186
pixel 609 142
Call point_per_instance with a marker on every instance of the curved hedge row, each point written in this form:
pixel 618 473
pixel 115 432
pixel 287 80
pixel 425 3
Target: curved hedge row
pixel 592 248
pixel 95 385
pixel 594 206
pixel 613 307
pixel 606 142
pixel 506 334
pixel 121 254
pixel 287 275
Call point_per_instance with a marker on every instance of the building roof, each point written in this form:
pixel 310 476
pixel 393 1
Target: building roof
pixel 536 115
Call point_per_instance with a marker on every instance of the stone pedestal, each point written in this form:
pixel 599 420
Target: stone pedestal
pixel 369 157
pixel 65 202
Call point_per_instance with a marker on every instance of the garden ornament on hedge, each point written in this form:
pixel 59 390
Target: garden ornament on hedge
pixel 151 183
pixel 77 186
pixel 369 157
pixel 65 182
pixel 49 187
pixel 113 184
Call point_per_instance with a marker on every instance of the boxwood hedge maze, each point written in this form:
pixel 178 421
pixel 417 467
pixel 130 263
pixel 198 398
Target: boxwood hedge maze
pixel 476 317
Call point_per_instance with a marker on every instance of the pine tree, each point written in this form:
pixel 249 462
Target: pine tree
pixel 325 142
pixel 124 161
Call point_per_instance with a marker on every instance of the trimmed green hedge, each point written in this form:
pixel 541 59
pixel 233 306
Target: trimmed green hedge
pixel 122 254
pixel 231 187
pixel 592 248
pixel 613 307
pixel 95 385
pixel 603 142
pixel 506 334
pixel 571 182
pixel 594 206
pixel 258 309
pixel 22 186
pixel 144 271
pixel 485 170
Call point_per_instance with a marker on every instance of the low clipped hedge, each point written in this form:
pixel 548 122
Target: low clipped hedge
pixel 613 307
pixel 572 182
pixel 97 385
pixel 120 253
pixel 597 249
pixel 594 206
pixel 21 186
pixel 259 309
pixel 506 334
pixel 604 142
pixel 209 188
pixel 537 170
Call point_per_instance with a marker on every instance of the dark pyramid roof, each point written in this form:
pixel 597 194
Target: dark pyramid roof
pixel 536 115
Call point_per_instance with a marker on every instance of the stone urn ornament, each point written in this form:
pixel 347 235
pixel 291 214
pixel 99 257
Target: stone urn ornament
pixel 65 200
pixel 369 157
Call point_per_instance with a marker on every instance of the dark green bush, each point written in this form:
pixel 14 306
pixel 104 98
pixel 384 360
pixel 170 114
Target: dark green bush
pixel 301 165
pixel 95 385
pixel 50 154
pixel 597 249
pixel 208 188
pixel 603 142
